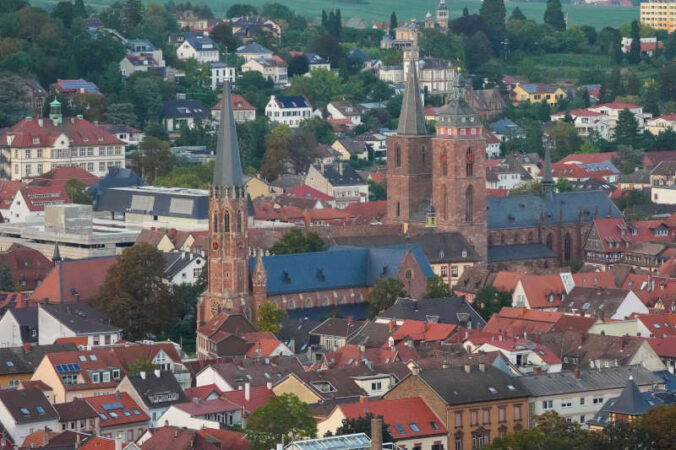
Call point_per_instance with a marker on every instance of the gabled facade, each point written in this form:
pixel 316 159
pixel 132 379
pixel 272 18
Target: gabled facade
pixel 121 418
pixel 289 110
pixel 271 67
pixel 24 411
pixel 201 49
pixel 153 392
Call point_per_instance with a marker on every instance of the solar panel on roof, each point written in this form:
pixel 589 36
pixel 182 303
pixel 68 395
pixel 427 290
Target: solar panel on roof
pixel 109 406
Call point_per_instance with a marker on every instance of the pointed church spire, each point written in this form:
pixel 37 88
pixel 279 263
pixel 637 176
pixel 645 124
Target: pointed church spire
pixel 547 180
pixel 228 170
pixel 412 119
pixel 56 256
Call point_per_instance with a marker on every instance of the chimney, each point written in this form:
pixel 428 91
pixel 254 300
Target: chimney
pixel 118 444
pixel 577 373
pixel 444 365
pixel 362 399
pixel 157 373
pixel 482 367
pixel 390 326
pixel 45 435
pixel 247 391
pixel 118 395
pixel 269 384
pixel 537 370
pixel 376 434
pixel 468 368
pixel 143 374
pixel 340 168
pixel 349 320
pixel 40 122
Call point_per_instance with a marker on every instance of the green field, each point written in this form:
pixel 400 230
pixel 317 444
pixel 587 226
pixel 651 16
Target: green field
pixel 380 10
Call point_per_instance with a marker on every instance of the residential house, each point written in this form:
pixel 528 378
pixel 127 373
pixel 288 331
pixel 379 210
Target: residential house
pixel 412 423
pixel 289 110
pixel 316 62
pixel 241 109
pixel 546 292
pixel 477 403
pixel 246 27
pixel 121 418
pixel 180 438
pixel 181 112
pixel 19 326
pixel 20 362
pixel 505 129
pixel 340 181
pixel 582 172
pixel 38 145
pixel 29 202
pixel 579 395
pixel 230 376
pixel 271 67
pixel 612 112
pixel 197 414
pixel 220 73
pixel 391 74
pixel 347 147
pixel 419 332
pixel 201 49
pixel 521 322
pixel 647 255
pixel 506 175
pixel 661 124
pixel 71 88
pixel 79 374
pixel 27 266
pixel 453 311
pixel 79 320
pixel 435 75
pixel 488 103
pixel 334 333
pixel 24 411
pixel 253 51
pixel 249 399
pixel 36 96
pixel 145 47
pixel 649 45
pixel 73 280
pixel 78 416
pixel 537 93
pixel 587 123
pixel 145 62
pixel 154 392
pixel 492 145
pixel 125 133
pixel 526 355
pixel 183 267
pixel 222 336
pixel 345 109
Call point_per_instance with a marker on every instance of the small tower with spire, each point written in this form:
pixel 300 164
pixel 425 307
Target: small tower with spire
pixel 547 179
pixel 409 163
pixel 55 112
pixel 228 284
pixel 442 15
pixel 56 256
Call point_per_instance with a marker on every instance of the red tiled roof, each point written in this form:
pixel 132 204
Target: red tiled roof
pixel 174 438
pixel 8 189
pixel 213 326
pixel 659 325
pixel 202 391
pixel 263 347
pixel 652 159
pixel 366 210
pixel 37 438
pixel 258 396
pixel 230 440
pixel 36 197
pixel 491 138
pixel 37 384
pixel 667 117
pixel 59 176
pixel 618 232
pixel 574 323
pixel 516 345
pixel 128 353
pixel 80 132
pixel 578 113
pixel 305 191
pixel 615 105
pixel 340 125
pixel 423 331
pixel 577 171
pixel 26 264
pixel 238 102
pixel 517 321
pixel 665 347
pixel 80 341
pixel 268 211
pixel 377 177
pixel 99 443
pixel 115 405
pixel 588 158
pixel 507 281
pixel 83 277
pixel 399 413
pixel 602 279
pixel 349 355
pixel 496 192
pixel 539 287
pixel 88 361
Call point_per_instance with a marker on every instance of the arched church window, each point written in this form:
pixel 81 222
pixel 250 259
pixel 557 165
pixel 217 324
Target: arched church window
pixel 226 222
pixel 469 163
pixel 239 222
pixel 444 163
pixel 469 204
pixel 397 156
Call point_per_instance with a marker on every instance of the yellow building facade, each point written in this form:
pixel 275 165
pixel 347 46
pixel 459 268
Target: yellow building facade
pixel 660 15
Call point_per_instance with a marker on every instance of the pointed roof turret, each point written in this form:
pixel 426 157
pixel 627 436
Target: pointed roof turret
pixel 547 179
pixel 56 256
pixel 412 118
pixel 630 401
pixel 228 170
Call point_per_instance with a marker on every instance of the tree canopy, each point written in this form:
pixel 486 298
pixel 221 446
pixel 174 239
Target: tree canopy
pixel 384 294
pixel 282 417
pixel 270 317
pixel 298 241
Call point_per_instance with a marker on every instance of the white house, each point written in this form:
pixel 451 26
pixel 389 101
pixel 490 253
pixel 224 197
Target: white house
pixel 197 414
pixel 183 267
pixel 253 50
pixel 344 109
pixel 587 122
pixel 24 411
pixel 525 355
pixel 612 112
pixel 29 203
pixel 339 181
pixel 492 145
pixel 271 67
pixel 18 327
pixel 220 73
pixel 154 392
pixel 125 133
pixel 289 110
pixel 201 49
pixel 603 303
pixel 61 321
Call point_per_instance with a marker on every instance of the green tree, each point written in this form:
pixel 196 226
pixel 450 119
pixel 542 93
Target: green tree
pixel 554 15
pixel 550 432
pixel 284 417
pixel 121 113
pixel 490 300
pixel 270 317
pixel 7 283
pixel 321 130
pixel 320 88
pixel 589 147
pixel 564 185
pixel 241 9
pixel 134 294
pixel 140 365
pixel 659 422
pixel 626 130
pixel 362 424
pixel 634 56
pixel 222 35
pixel 195 176
pixel 517 14
pixel 78 192
pixel 12 97
pixel 276 152
pixel 252 136
pixel 628 158
pixel 132 14
pixel 494 13
pixel 384 294
pixel 565 138
pixel 437 288
pixel 478 50
pixel 631 198
pixel 394 23
pixel 298 65
pixel 440 45
pixel 79 8
pixel 377 191
pixel 298 241
pixel 65 12
pixel 153 159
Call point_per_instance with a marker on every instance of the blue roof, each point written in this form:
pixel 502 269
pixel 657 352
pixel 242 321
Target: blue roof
pixel 202 43
pixel 337 268
pixel 254 47
pixel 116 177
pixel 140 45
pixel 499 253
pixel 313 58
pixel 600 166
pixel 88 86
pixel 293 101
pixel 505 126
pixel 519 211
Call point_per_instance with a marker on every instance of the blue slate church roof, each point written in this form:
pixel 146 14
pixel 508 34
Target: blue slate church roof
pixel 336 268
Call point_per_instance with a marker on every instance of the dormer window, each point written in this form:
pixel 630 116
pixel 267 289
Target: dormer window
pixel 36 140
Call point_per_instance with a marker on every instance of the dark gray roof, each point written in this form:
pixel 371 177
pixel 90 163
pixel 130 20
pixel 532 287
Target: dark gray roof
pixel 175 262
pixel 439 247
pixel 411 118
pixel 28 406
pixel 650 398
pixel 228 170
pixel 254 370
pixel 158 391
pixel 526 211
pixel 177 109
pixel 598 302
pixel 338 327
pixel 296 331
pixel 371 335
pixel 637 176
pixel 501 253
pixel 81 318
pixel 162 202
pixel 589 380
pixel 346 176
pixel 630 401
pixel 455 386
pixel 75 410
pixel 254 47
pixel 505 127
pixel 21 360
pixel 445 309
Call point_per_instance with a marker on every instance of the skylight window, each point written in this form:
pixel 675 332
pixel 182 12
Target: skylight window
pixel 25 412
pixel 510 387
pixel 113 414
pixel 400 428
pixel 9 363
pixel 414 427
pixel 103 416
pixel 40 410
pixel 434 425
pixel 83 358
pixel 492 390
pixel 93 357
